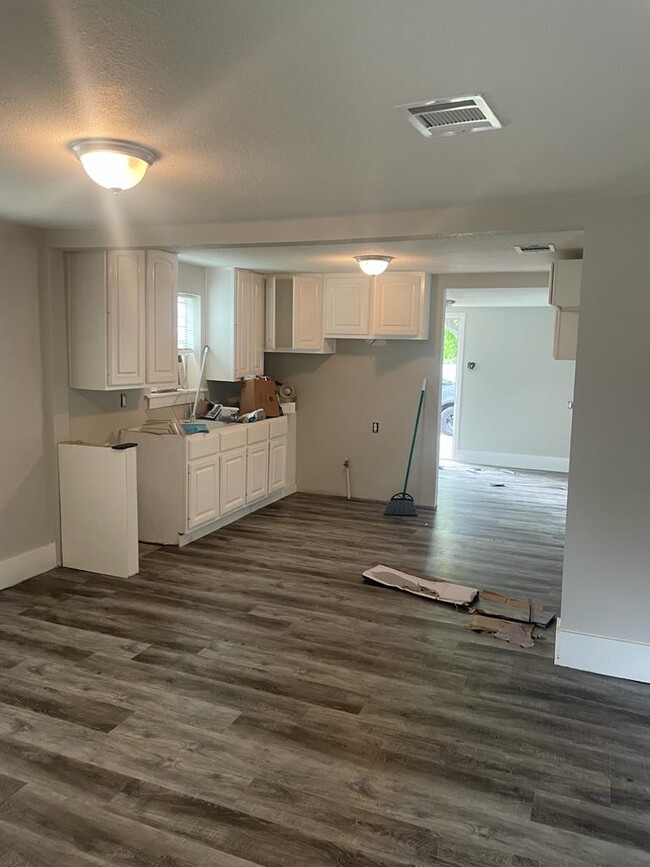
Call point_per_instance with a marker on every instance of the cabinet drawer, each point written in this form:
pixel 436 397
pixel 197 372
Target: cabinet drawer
pixel 233 439
pixel 278 427
pixel 258 432
pixel 202 445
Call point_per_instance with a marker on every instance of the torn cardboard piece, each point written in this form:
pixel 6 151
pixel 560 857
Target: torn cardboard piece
pixel 520 634
pixel 435 589
pixel 493 604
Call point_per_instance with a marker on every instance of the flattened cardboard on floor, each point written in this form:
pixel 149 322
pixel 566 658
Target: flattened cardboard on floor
pixel 430 588
pixel 494 604
pixel 520 634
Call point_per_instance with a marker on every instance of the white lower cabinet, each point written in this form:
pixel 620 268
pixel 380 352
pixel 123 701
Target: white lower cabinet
pixel 257 472
pixel 203 491
pixel 233 480
pixel 277 464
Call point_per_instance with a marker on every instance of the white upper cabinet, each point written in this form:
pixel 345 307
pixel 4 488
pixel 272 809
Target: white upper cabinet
pixel 398 305
pixel 347 305
pixel 393 305
pixel 294 314
pixel 121 319
pixel 235 324
pixel 126 318
pixel 565 338
pixel 161 310
pixel 277 464
pixel 566 278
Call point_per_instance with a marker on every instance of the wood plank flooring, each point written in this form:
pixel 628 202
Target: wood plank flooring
pixel 249 701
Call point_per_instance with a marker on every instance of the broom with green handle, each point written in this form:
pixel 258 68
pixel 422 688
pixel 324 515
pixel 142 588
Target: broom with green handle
pixel 403 504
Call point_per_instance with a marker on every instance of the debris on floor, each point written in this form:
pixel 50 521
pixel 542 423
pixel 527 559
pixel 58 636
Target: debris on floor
pixel 520 634
pixel 494 604
pixel 517 621
pixel 497 484
pixel 436 589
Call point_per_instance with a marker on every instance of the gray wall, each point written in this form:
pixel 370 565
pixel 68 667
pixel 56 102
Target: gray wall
pixel 513 406
pixel 25 491
pixel 339 396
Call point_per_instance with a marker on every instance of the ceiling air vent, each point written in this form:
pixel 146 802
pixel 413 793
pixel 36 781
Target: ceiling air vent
pixel 451 116
pixel 535 248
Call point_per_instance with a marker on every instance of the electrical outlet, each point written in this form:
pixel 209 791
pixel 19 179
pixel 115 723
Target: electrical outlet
pixel 375 427
pixel 122 401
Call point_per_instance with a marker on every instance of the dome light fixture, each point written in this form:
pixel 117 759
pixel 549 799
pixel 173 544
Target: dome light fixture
pixel 112 162
pixel 373 265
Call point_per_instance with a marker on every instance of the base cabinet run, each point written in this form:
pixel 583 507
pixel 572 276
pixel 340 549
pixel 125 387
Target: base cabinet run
pixel 190 486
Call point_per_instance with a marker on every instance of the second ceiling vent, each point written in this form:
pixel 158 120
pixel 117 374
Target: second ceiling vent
pixel 451 116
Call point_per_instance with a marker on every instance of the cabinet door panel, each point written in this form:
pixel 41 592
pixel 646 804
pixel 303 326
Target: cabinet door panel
pixel 397 305
pixel 233 480
pixel 126 317
pixel 347 305
pixel 161 300
pixel 308 313
pixel 203 492
pixel 277 464
pixel 243 329
pixel 565 340
pixel 257 325
pixel 257 472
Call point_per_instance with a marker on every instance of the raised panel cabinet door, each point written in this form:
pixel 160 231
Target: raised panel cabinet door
pixel 277 464
pixel 126 317
pixel 398 305
pixel 203 491
pixel 161 294
pixel 308 313
pixel 347 305
pixel 257 472
pixel 257 325
pixel 243 299
pixel 269 306
pixel 233 480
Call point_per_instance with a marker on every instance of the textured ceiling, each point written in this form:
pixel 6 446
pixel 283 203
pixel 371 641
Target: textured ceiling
pixel 472 253
pixel 268 109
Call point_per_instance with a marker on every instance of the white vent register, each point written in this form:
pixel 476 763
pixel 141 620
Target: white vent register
pixel 451 116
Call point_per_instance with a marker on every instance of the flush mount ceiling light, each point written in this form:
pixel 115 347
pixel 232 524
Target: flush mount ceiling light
pixel 373 265
pixel 112 162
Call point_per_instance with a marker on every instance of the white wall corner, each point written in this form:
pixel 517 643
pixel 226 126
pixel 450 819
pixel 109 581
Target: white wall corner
pixel 515 461
pixel 596 653
pixel 13 570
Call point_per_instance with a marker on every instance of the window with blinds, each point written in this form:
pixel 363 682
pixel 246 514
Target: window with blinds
pixel 188 323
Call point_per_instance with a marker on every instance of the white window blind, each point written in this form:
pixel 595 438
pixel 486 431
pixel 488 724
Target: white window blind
pixel 187 322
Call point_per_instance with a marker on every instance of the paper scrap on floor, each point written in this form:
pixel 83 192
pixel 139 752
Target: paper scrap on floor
pixel 430 588
pixel 520 634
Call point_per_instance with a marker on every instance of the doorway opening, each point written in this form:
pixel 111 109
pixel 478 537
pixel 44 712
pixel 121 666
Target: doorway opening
pixel 451 382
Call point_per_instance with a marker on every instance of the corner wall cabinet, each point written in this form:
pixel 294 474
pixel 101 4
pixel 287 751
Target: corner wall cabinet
pixel 565 337
pixel 235 324
pixel 394 305
pixel 122 319
pixel 191 486
pixel 294 314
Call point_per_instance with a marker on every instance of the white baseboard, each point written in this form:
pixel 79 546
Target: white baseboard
pixel 506 459
pixel 627 659
pixel 24 566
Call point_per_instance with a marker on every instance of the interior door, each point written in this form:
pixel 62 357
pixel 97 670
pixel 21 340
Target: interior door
pixel 160 302
pixel 308 313
pixel 233 480
pixel 126 317
pixel 203 491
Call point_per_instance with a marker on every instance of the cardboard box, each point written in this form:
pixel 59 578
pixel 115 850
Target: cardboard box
pixel 259 394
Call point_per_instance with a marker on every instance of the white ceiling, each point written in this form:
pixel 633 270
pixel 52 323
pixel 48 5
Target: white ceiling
pixel 466 254
pixel 498 297
pixel 266 109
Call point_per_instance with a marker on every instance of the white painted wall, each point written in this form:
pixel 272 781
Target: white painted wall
pixel 26 525
pixel 339 396
pixel 513 407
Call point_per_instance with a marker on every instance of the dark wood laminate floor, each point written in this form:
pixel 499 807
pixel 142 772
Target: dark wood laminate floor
pixel 248 701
